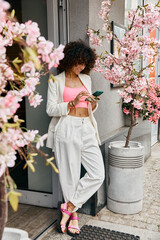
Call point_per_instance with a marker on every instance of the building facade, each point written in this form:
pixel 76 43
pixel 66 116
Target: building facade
pixel 62 21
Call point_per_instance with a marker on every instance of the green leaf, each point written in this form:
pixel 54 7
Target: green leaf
pixel 53 78
pixel 49 162
pixel 33 56
pixel 9 182
pixel 13 13
pixel 31 166
pixel 13 199
pixel 17 60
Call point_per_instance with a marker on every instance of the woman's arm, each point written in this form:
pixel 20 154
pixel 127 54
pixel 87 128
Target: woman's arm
pixel 94 105
pixel 53 107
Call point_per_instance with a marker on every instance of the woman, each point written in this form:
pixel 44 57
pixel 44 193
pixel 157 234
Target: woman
pixel 73 134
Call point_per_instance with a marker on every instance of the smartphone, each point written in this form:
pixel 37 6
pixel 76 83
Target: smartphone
pixel 95 94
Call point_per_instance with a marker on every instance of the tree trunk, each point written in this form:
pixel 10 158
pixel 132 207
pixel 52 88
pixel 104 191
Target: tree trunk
pixel 3 205
pixel 133 120
pixel 128 135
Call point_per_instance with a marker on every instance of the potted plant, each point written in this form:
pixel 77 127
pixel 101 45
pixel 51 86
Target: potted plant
pixel 139 93
pixel 18 79
pixel 15 234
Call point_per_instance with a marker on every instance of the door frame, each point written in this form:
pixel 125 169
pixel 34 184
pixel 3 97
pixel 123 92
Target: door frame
pixel 57 24
pixel 36 198
pixel 57 33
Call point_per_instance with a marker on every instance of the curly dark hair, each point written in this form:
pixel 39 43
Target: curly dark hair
pixel 77 53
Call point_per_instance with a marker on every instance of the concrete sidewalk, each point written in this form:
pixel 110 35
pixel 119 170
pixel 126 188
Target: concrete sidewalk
pixel 146 224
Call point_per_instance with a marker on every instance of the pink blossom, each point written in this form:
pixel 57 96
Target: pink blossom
pixel 4 5
pixel 8 106
pixel 16 94
pixel 7 160
pixel 40 142
pixel 96 41
pixel 120 68
pixel 45 48
pixel 128 99
pixel 30 135
pixel 109 36
pixel 125 111
pixel 23 83
pixel 108 2
pixel 9 73
pixel 2 49
pixel 137 104
pixel 136 114
pixel 56 56
pixel 31 83
pixel 32 31
pixel 15 118
pixel 28 67
pixel 6 73
pixel 129 89
pixel 12 135
pixel 15 29
pixel 35 100
pixel 11 103
pixel 103 13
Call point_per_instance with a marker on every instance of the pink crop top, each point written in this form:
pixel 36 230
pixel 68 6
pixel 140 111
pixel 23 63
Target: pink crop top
pixel 69 94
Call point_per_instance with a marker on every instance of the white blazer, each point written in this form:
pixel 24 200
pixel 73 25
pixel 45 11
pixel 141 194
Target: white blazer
pixel 57 108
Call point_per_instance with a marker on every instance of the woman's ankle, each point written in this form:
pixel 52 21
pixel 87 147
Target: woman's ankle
pixel 70 206
pixel 74 214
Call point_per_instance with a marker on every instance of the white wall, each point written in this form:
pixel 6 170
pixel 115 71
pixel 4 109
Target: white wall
pixel 78 19
pixel 109 114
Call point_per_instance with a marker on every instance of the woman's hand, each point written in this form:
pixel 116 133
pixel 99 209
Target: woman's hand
pixel 78 97
pixel 93 101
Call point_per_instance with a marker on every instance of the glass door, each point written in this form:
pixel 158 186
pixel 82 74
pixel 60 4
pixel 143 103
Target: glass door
pixel 58 33
pixel 41 188
pixel 36 188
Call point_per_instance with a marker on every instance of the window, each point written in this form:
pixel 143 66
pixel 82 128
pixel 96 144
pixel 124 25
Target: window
pixel 131 4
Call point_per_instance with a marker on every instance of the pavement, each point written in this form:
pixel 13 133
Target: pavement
pixel 145 224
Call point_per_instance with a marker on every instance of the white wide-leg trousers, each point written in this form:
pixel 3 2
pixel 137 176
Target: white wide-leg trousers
pixel 75 144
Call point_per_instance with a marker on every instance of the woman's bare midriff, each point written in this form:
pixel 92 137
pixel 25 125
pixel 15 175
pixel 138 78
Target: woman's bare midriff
pixel 79 112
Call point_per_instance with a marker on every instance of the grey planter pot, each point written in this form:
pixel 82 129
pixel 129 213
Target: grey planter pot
pixel 15 234
pixel 125 177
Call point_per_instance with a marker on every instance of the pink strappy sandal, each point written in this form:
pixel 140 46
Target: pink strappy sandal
pixel 73 227
pixel 60 210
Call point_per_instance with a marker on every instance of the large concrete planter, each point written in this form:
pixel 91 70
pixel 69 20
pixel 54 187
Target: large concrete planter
pixel 15 234
pixel 125 177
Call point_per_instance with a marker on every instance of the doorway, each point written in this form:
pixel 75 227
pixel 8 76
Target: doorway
pixel 36 188
pixel 17 173
pixel 36 210
pixel 41 188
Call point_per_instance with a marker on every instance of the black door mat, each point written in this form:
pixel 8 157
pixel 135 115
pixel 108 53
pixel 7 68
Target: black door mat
pixel 89 232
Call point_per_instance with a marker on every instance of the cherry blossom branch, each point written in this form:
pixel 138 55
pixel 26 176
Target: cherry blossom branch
pixel 139 94
pixel 19 79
